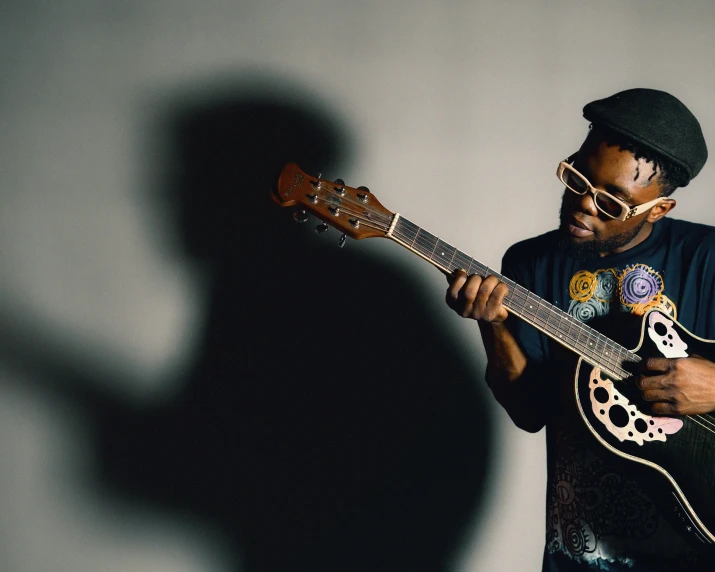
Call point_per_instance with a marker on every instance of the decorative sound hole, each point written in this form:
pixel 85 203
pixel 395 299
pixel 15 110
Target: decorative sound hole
pixel 640 425
pixel 601 394
pixel 660 328
pixel 618 416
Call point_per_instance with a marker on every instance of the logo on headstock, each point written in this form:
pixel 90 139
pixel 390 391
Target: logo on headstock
pixel 297 182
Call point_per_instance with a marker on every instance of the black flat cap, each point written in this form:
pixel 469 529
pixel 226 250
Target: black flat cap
pixel 654 119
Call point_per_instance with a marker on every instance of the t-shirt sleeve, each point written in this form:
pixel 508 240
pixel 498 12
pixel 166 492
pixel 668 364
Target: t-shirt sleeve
pixel 699 290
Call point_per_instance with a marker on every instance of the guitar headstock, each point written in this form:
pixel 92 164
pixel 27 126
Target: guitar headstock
pixel 353 211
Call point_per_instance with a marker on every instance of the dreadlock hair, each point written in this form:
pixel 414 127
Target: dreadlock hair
pixel 670 175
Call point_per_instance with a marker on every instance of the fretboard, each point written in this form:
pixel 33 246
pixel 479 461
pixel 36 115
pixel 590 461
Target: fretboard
pixel 593 346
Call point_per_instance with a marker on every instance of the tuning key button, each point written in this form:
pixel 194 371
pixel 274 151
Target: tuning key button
pixel 340 187
pixel 363 188
pixel 300 216
pixel 355 223
pixel 334 210
pixel 363 198
pixel 312 198
pixel 321 228
pixel 341 240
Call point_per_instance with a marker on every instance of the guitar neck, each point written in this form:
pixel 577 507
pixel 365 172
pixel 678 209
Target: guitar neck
pixel 593 346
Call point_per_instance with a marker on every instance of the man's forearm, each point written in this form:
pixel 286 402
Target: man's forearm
pixel 519 393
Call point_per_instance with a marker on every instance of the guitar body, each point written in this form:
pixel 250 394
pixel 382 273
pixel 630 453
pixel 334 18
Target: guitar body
pixel 680 451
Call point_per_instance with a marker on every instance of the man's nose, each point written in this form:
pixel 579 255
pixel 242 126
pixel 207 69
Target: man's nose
pixel 587 203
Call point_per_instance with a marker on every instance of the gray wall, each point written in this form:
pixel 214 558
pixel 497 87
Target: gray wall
pixel 455 114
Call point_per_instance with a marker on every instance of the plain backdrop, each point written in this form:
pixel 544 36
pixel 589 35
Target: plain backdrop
pixel 453 113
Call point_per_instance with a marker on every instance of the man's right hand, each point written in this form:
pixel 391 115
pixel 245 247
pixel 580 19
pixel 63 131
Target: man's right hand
pixel 476 297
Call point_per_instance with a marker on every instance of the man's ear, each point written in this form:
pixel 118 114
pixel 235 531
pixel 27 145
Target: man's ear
pixel 661 209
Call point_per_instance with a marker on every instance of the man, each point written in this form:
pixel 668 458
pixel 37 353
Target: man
pixel 614 255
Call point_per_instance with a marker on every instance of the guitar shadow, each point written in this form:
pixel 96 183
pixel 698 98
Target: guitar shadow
pixel 327 422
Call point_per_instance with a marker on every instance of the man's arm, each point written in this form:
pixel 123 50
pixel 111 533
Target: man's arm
pixel 508 374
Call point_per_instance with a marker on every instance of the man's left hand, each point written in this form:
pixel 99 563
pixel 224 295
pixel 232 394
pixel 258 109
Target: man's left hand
pixel 678 386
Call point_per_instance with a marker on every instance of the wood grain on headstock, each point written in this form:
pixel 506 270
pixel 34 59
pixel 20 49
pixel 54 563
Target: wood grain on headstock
pixel 356 212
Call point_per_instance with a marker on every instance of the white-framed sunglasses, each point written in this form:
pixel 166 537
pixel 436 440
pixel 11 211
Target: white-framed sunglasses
pixel 606 203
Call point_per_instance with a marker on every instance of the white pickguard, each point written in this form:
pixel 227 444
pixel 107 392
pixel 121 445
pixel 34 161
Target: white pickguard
pixel 640 427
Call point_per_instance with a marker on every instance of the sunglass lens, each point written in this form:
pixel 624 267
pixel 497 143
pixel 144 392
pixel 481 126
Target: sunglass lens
pixel 608 205
pixel 574 182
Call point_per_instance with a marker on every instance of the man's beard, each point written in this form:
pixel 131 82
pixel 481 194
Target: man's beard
pixel 591 249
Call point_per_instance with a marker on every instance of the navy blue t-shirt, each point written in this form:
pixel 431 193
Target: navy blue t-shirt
pixel 597 516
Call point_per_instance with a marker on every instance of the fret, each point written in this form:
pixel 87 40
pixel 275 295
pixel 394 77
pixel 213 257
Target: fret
pixel 444 253
pixel 532 303
pixel 431 254
pixel 560 326
pixel 598 345
pixel 569 321
pixel 611 352
pixel 424 244
pixel 468 269
pixel 422 239
pixel 414 238
pixel 583 336
pixel 607 349
pixel 591 341
pixel 459 262
pixel 509 298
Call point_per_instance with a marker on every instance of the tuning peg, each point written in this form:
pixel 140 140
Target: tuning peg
pixel 363 197
pixel 342 239
pixel 321 228
pixel 300 216
pixel 340 187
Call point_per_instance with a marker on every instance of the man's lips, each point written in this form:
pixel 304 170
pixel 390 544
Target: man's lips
pixel 578 228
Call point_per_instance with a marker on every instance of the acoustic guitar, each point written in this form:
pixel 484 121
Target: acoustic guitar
pixel 679 450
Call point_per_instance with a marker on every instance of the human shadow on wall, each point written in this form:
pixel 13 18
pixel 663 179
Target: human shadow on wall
pixel 328 423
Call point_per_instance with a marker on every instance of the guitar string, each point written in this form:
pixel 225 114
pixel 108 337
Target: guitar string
pixel 707 418
pixel 699 423
pixel 381 221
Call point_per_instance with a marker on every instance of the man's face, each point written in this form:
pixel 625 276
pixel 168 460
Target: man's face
pixel 588 233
